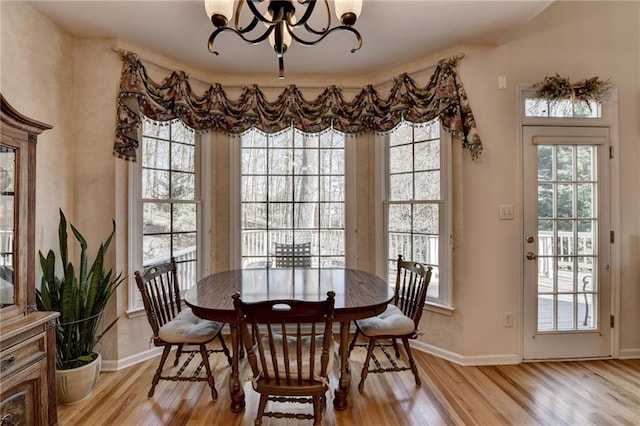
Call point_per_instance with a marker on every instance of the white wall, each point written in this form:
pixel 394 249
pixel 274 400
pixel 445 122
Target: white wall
pixel 72 84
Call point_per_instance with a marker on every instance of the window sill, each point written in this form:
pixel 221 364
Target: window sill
pixel 439 309
pixel 135 313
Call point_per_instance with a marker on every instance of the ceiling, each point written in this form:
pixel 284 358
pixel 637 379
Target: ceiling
pixel 393 32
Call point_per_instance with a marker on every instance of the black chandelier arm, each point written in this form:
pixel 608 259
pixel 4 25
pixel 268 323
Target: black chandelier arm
pixel 310 5
pixel 258 15
pixel 325 34
pixel 257 40
pixel 303 22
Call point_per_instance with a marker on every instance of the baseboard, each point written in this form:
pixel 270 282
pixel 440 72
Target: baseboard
pixel 498 359
pixel 629 354
pixel 119 364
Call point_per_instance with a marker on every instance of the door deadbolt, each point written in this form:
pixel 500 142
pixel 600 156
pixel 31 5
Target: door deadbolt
pixel 530 239
pixel 531 255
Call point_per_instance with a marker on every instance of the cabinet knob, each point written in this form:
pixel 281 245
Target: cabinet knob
pixel 6 364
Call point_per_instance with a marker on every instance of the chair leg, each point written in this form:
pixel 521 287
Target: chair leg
pixel 412 363
pixel 225 349
pixel 365 366
pixel 394 342
pixel 261 406
pixel 317 410
pixel 207 367
pixel 353 341
pixel 178 353
pixel 156 377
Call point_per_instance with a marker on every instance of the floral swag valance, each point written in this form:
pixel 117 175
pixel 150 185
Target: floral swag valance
pixel 444 97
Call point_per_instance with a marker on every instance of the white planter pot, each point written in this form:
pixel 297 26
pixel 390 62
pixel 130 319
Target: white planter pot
pixel 76 384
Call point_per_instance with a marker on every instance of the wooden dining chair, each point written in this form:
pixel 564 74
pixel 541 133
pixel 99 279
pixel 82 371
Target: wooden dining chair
pixel 293 255
pixel 290 348
pixel 399 321
pixel 173 325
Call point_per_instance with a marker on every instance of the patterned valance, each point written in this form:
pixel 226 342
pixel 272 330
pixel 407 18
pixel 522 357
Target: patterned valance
pixel 444 97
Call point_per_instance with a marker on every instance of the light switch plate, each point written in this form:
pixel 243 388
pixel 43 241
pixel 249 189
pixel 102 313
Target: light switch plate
pixel 506 212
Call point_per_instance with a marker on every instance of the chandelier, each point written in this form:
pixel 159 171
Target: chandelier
pixel 283 20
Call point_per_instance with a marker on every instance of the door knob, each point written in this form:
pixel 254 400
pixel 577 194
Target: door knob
pixel 531 256
pixel 530 239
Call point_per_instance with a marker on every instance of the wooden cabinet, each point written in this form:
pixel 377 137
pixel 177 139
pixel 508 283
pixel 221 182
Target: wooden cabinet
pixel 27 337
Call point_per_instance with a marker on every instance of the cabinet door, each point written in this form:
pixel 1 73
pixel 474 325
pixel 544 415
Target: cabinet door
pixel 23 396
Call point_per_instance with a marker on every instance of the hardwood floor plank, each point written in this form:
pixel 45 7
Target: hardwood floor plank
pixel 551 393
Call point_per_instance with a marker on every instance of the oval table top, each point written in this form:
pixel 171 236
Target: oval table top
pixel 359 294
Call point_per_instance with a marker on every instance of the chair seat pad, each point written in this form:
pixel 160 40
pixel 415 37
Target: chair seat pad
pixel 293 363
pixel 392 322
pixel 188 328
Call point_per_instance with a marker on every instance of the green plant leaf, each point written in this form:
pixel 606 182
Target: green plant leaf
pixel 80 298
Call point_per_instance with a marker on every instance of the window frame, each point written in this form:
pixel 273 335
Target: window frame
pixel 235 205
pixel 443 303
pixel 135 218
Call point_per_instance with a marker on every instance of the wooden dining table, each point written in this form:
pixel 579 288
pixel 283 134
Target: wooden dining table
pixel 359 294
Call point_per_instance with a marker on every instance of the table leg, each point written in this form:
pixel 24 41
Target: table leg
pixel 237 393
pixel 341 393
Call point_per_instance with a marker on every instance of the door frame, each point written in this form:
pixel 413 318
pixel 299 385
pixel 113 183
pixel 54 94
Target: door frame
pixel 609 119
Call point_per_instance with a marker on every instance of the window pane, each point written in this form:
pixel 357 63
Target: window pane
pixel 306 140
pixel 401 134
pixel 181 133
pixel 183 157
pixel 280 216
pixel 586 165
pixel 254 216
pixel 280 188
pixel 332 215
pixel 400 218
pixel 155 184
pixel 183 244
pixel 183 186
pixel 426 218
pixel 280 161
pixel 545 162
pixel 254 188
pixel 401 187
pixel 332 188
pixel 427 185
pixel 585 200
pixel 427 155
pixel 254 161
pixel 332 162
pixel 306 188
pixel 401 158
pixel 427 131
pixel 305 215
pixel 283 139
pixel 155 129
pixel 184 218
pixel 155 153
pixel 306 161
pixel 565 163
pixel 155 248
pixel 156 218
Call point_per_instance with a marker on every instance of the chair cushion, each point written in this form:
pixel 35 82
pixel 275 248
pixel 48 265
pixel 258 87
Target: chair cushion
pixel 293 364
pixel 188 328
pixel 392 322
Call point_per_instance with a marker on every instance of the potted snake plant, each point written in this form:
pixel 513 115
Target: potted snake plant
pixel 80 293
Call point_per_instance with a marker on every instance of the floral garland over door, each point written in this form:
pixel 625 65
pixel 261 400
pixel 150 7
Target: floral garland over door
pixel 443 97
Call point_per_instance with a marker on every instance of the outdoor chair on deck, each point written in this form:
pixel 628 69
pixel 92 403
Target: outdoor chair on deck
pixel 293 255
pixel 173 325
pixel 290 349
pixel 399 321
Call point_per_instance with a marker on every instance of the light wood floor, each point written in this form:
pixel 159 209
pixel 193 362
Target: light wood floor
pixel 553 393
